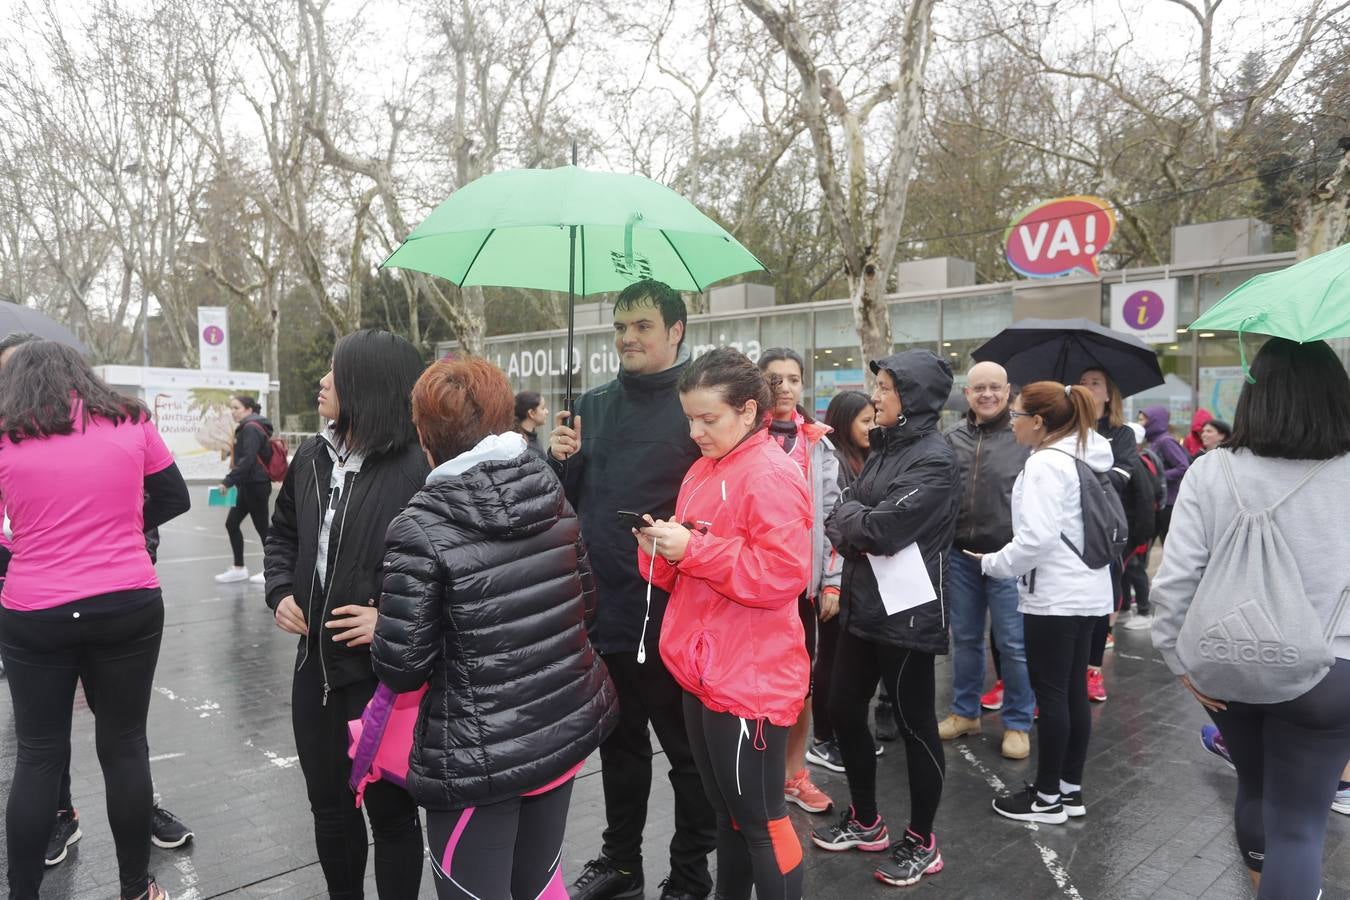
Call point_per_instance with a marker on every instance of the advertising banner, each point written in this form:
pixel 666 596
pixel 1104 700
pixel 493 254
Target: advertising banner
pixel 1146 309
pixel 213 338
pixel 1060 236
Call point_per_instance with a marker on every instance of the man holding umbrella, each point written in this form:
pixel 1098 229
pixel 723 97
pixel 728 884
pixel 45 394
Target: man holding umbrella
pixel 628 447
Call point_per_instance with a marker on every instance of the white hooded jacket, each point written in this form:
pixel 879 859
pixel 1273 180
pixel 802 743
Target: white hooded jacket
pixel 1051 579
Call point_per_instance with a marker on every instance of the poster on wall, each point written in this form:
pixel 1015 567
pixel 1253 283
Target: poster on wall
pixel 1219 390
pixel 1059 237
pixel 831 382
pixel 213 338
pixel 1146 309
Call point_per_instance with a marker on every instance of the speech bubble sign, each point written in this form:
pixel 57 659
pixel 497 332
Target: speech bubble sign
pixel 1060 236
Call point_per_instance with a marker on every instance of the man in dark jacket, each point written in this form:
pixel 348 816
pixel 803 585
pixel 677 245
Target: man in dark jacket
pixel 628 448
pixel 990 460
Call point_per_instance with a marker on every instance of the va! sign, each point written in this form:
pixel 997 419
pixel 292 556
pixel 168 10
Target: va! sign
pixel 1060 236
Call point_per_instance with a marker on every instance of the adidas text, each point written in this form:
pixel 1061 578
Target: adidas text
pixel 1266 652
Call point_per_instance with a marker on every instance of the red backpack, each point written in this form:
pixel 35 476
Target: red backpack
pixel 274 460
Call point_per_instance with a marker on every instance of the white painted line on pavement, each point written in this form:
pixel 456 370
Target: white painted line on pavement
pixel 163 756
pixel 281 762
pixel 1057 871
pixel 190 559
pixel 987 773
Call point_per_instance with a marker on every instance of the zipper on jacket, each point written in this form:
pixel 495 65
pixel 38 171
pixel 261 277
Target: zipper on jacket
pixel 942 598
pixel 347 487
pixel 975 481
pixel 309 602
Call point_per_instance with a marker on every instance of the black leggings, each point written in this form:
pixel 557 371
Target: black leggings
pixel 1288 757
pixel 339 827
pixel 908 678
pixel 741 763
pixel 507 849
pixel 822 676
pixel 1102 626
pixel 1135 581
pixel 1057 655
pixel 252 504
pixel 114 655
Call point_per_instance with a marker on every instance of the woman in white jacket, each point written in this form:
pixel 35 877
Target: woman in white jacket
pixel 1059 596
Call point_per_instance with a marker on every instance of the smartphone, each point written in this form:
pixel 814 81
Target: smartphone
pixel 631 519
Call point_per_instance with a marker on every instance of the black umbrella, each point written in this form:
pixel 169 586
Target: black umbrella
pixel 1063 349
pixel 14 317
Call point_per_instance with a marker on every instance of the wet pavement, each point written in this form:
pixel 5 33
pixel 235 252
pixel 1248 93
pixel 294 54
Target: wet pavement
pixel 1158 822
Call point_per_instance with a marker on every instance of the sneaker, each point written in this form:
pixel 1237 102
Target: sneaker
pixel 848 833
pixel 154 892
pixel 1073 804
pixel 799 790
pixel 1016 744
pixel 65 831
pixel 259 578
pixel 1110 641
pixel 232 575
pixel 602 880
pixel 167 830
pixel 1029 807
pixel 1096 687
pixel 993 698
pixel 1212 740
pixel 671 890
pixel 909 861
pixel 880 747
pixel 826 755
pixel 887 730
pixel 1342 802
pixel 955 726
pixel 1139 623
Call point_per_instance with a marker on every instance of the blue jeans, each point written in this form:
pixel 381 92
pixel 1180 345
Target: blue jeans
pixel 971 595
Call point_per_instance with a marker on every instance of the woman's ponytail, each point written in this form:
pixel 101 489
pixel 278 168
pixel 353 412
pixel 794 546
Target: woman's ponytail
pixel 1065 409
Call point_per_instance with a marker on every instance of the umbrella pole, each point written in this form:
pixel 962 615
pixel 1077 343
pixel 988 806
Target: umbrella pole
pixel 571 312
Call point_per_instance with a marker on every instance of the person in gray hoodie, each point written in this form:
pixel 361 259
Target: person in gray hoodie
pixel 1288 755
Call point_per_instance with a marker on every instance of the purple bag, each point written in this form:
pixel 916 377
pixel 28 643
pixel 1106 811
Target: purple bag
pixel 381 741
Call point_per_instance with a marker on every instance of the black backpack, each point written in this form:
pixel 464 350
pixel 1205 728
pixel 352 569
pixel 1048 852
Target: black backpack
pixel 1106 534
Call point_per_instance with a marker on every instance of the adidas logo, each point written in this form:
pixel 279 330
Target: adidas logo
pixel 1247 635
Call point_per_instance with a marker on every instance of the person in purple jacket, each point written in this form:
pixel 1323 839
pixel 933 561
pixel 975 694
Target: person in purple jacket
pixel 1156 420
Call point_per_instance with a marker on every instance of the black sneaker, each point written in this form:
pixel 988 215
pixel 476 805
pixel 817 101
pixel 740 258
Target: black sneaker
pixel 826 755
pixel 167 830
pixel 1029 807
pixel 881 748
pixel 65 831
pixel 671 890
pixel 909 861
pixel 887 730
pixel 848 833
pixel 1073 804
pixel 602 880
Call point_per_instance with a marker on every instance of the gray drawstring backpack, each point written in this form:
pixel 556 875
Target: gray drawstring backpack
pixel 1250 634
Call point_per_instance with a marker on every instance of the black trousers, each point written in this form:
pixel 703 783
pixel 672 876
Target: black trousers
pixel 339 827
pixel 908 678
pixel 822 678
pixel 252 504
pixel 1136 583
pixel 1102 626
pixel 114 655
pixel 1057 658
pixel 741 763
pixel 648 694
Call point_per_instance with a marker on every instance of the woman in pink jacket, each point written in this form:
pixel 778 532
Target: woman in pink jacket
pixel 735 559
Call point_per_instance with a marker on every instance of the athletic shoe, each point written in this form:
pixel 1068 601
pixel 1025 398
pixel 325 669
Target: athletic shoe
pixel 993 698
pixel 1342 802
pixel 1110 641
pixel 65 831
pixel 955 726
pixel 799 790
pixel 232 575
pixel 671 890
pixel 826 755
pixel 1212 740
pixel 167 830
pixel 1139 622
pixel 887 730
pixel 1029 807
pixel 259 578
pixel 1073 804
pixel 1016 744
pixel 881 748
pixel 1096 687
pixel 602 880
pixel 154 892
pixel 909 861
pixel 848 833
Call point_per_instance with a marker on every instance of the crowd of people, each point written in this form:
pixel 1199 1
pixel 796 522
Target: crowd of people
pixel 480 602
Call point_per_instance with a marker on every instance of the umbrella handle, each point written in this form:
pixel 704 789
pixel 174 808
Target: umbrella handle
pixel 1242 346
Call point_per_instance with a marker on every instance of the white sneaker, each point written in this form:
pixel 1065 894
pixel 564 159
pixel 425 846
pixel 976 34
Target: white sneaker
pixel 1139 623
pixel 232 575
pixel 260 578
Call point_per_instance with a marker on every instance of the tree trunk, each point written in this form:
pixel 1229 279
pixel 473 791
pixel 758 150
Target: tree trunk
pixel 871 316
pixel 1326 217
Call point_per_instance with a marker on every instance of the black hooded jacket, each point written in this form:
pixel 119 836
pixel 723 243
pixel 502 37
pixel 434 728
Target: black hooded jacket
pixel 486 595
pixel 635 452
pixel 909 491
pixel 250 441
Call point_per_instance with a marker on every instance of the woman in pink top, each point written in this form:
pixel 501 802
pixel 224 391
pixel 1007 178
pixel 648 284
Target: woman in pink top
pixel 81 601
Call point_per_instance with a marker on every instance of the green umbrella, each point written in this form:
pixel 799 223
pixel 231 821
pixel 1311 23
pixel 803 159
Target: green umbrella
pixel 574 230
pixel 1309 301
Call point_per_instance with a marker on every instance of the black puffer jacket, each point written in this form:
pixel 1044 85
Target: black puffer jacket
pixel 250 441
pixel 909 491
pixel 368 502
pixel 486 595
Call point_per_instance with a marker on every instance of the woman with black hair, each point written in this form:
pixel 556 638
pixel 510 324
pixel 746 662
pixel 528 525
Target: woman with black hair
pixel 531 415
pixel 249 476
pixel 1291 440
pixel 1212 434
pixel 81 601
pixel 324 568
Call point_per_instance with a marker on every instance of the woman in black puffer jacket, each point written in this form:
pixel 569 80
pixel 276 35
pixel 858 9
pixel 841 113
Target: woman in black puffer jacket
pixel 486 598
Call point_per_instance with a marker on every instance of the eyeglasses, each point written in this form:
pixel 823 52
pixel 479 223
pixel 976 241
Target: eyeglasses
pixel 986 388
pixel 1018 414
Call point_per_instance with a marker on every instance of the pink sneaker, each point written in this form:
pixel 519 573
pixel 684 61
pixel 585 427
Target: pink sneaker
pixel 993 699
pixel 799 790
pixel 1096 687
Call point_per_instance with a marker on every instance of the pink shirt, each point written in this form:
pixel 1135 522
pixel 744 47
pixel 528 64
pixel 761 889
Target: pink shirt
pixel 75 505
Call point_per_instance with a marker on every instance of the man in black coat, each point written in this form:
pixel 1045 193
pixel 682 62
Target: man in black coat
pixel 628 448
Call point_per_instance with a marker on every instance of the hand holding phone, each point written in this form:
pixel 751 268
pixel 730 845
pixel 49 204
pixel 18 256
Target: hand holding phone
pixel 631 519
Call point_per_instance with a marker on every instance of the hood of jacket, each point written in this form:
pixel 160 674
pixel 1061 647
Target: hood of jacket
pixel 1159 420
pixel 1201 418
pixel 496 488
pixel 1096 453
pixel 924 382
pixel 255 417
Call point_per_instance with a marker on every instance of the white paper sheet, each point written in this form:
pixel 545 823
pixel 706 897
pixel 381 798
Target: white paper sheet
pixel 902 579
